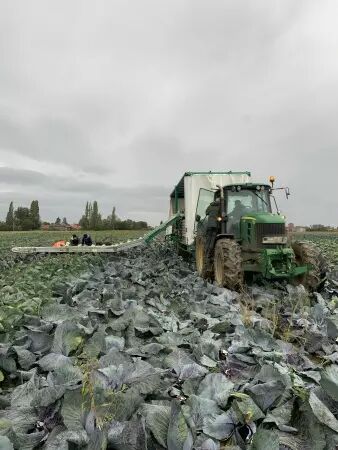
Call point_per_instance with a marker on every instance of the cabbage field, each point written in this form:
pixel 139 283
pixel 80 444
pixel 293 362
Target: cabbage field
pixel 136 352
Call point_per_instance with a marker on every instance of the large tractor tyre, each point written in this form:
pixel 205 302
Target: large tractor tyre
pixel 203 265
pixel 307 253
pixel 228 264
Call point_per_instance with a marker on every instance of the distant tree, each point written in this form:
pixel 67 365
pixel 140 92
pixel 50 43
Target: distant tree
pixel 10 217
pixel 35 215
pixel 22 219
pixel 87 212
pixel 95 217
pixel 113 218
pixel 64 221
pixel 318 227
pixel 92 219
pixel 58 221
pixel 90 212
pixel 84 221
pixel 142 225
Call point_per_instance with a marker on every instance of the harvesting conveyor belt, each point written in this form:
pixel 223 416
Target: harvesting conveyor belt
pixel 161 228
pixel 83 249
pixel 115 248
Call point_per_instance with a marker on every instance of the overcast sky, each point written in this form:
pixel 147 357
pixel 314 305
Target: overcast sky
pixel 113 100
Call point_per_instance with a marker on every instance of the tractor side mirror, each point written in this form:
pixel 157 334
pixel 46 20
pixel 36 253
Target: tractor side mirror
pixel 197 218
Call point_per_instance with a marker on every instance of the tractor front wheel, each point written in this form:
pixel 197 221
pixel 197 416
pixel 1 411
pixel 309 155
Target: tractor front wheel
pixel 308 254
pixel 228 264
pixel 203 266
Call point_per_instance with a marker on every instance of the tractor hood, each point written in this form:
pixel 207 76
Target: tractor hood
pixel 263 217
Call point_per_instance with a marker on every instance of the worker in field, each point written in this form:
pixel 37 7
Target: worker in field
pixel 74 241
pixel 87 240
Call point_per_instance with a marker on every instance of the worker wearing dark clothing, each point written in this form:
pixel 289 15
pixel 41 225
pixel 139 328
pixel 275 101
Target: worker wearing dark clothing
pixel 213 212
pixel 238 210
pixel 235 217
pixel 74 240
pixel 87 240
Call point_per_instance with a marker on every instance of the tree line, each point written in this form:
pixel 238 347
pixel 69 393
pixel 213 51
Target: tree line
pixel 92 220
pixel 24 219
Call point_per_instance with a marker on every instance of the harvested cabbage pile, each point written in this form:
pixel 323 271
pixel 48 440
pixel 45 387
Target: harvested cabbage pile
pixel 142 354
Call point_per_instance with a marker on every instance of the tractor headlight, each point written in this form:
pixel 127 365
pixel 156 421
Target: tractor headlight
pixel 238 188
pixel 258 188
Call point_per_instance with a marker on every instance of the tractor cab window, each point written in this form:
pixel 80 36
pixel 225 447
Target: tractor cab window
pixel 243 202
pixel 205 197
pixel 246 201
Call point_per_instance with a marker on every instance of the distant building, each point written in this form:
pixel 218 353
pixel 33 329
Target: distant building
pixel 60 227
pixel 290 227
pixel 300 229
pixel 75 226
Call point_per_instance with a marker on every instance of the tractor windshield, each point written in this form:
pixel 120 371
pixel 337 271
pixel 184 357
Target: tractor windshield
pixel 243 202
pixel 246 201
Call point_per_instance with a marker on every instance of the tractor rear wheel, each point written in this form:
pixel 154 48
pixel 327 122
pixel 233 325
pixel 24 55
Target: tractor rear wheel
pixel 228 264
pixel 307 253
pixel 203 265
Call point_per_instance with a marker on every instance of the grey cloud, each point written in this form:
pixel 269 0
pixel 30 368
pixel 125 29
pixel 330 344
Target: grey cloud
pixel 24 177
pixel 64 196
pixel 50 139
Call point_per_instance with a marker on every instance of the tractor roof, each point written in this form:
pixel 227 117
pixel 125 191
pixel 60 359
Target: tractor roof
pixel 179 188
pixel 247 185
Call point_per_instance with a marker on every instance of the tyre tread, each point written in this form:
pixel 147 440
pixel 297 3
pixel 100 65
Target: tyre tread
pixel 232 263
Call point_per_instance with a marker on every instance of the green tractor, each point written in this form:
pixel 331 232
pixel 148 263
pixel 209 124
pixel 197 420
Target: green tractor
pixel 238 236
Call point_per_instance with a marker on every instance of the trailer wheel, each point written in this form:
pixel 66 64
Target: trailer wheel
pixel 203 265
pixel 228 264
pixel 308 253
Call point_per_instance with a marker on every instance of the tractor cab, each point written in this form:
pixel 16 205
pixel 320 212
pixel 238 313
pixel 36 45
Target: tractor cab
pixel 232 203
pixel 244 200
